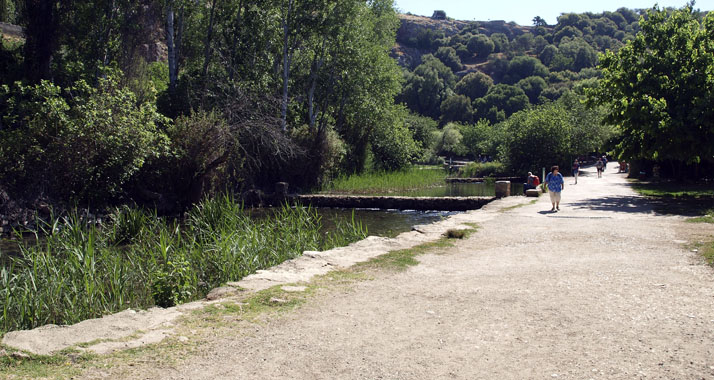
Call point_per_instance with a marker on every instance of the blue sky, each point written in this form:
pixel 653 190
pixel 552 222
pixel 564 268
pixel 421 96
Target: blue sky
pixel 523 11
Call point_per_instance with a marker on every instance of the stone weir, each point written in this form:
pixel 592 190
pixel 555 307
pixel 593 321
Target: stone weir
pixel 389 202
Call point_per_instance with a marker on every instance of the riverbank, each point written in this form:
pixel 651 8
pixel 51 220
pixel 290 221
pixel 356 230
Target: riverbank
pixel 606 288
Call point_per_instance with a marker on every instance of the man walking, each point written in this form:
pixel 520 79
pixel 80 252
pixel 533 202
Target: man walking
pixel 556 184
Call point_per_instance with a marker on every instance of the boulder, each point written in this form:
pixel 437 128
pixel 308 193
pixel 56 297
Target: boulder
pixel 533 192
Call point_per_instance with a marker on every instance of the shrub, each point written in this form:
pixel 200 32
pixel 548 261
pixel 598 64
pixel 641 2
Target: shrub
pixel 82 143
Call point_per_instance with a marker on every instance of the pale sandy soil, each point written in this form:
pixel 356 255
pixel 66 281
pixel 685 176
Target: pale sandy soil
pixel 604 289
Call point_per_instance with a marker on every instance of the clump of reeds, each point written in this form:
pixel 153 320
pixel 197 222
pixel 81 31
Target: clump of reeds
pixel 77 270
pixel 376 182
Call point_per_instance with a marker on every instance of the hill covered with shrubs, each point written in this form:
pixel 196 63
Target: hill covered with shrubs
pixel 466 71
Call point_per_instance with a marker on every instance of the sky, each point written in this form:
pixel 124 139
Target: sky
pixel 523 11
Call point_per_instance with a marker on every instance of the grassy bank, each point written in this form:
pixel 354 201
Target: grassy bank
pixel 137 260
pixel 378 182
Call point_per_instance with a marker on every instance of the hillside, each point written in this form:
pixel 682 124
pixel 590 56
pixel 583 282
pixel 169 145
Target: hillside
pixel 414 29
pixel 470 70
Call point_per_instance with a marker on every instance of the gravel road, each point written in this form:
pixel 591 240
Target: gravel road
pixel 604 289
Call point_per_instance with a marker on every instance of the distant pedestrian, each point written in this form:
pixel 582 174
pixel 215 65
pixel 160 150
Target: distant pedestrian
pixel 576 169
pixel 604 163
pixel 599 165
pixel 556 184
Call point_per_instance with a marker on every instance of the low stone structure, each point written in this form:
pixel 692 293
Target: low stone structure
pixel 533 192
pixel 503 189
pixel 398 203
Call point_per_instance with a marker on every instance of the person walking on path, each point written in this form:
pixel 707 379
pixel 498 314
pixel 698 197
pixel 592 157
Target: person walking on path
pixel 599 165
pixel 556 184
pixel 604 164
pixel 576 169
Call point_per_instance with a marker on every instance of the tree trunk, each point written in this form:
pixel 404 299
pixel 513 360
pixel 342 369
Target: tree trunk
pixel 236 38
pixel 286 66
pixel 209 35
pixel 314 69
pixel 173 75
pixel 40 44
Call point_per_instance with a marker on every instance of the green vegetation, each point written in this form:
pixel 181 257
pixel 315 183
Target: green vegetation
pixel 708 252
pixel 707 218
pixel 79 270
pixel 511 68
pixel 658 89
pixel 456 234
pixel 379 182
pixel 250 93
pixel 482 169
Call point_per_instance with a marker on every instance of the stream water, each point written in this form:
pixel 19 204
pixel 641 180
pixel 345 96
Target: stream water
pixel 477 189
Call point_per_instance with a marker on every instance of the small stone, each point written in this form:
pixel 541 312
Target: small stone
pixel 182 339
pixel 554 375
pixel 278 300
pixel 430 312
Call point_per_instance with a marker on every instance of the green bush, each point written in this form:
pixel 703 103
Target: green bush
pixel 81 143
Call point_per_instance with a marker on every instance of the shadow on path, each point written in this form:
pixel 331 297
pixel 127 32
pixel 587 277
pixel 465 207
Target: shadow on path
pixel 615 203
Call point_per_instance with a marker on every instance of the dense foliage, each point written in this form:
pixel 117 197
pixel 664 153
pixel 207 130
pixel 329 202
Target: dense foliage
pixel 659 88
pixel 544 61
pixel 105 101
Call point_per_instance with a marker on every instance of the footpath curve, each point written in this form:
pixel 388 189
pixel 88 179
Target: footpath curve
pixel 604 289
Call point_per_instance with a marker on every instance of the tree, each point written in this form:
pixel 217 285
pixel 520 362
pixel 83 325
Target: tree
pixel 659 89
pixel 501 97
pixel 448 56
pixel 537 138
pixel 480 45
pixel 456 108
pixel 523 67
pixel 474 85
pixel 539 21
pixel 532 86
pixel 500 43
pixel 429 84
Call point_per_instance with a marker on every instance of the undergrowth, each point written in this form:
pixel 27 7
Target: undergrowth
pixel 77 269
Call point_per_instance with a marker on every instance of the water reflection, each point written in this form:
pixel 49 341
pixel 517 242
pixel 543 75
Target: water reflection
pixel 477 189
pixel 387 223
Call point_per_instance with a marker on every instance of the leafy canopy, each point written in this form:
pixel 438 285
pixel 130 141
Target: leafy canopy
pixel 659 88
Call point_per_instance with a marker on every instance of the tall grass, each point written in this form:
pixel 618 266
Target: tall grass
pixel 483 169
pixel 378 182
pixel 78 270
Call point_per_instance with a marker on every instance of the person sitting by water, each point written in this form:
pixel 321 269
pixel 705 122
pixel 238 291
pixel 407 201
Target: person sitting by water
pixel 531 183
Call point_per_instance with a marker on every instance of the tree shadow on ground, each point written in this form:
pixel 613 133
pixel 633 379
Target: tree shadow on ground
pixel 684 206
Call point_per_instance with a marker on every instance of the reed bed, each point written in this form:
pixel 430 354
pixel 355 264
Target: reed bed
pixel 78 270
pixel 381 181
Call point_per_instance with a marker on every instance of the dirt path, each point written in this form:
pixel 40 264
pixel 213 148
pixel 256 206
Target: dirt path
pixel 603 289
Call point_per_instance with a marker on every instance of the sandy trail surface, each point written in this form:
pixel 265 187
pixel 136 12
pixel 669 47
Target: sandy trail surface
pixel 604 289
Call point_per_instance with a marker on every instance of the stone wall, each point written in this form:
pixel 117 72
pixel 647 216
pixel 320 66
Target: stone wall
pixel 398 203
